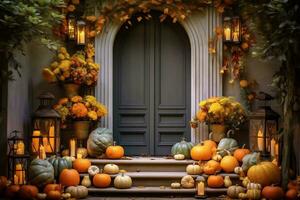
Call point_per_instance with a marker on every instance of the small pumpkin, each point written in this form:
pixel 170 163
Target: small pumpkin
pixel 41 196
pixel 291 194
pixel 93 170
pixel 179 157
pixel 86 181
pixel 28 191
pixel 253 194
pixel 227 144
pixel 175 185
pixel 59 164
pixel 123 181
pixel 12 191
pixel 187 181
pixel 101 180
pixel 114 151
pixel 227 181
pixel 253 186
pixel 272 192
pixel 69 177
pixel 217 157
pixel 215 181
pixel 182 147
pixel 243 195
pixel 41 172
pixel 201 152
pixel 52 187
pixel 98 141
pixel 81 165
pixel 228 163
pixel 54 195
pixel 111 169
pixel 239 154
pixel 249 160
pixel 234 191
pixel 66 195
pixel 211 144
pixel 292 184
pixel 77 192
pixel 245 181
pixel 82 151
pixel 194 169
pixel 212 167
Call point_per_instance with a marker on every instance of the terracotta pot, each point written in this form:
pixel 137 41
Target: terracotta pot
pixel 217 132
pixel 81 129
pixel 71 89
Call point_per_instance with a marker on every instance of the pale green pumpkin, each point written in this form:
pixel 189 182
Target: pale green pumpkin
pixel 182 147
pixel 227 145
pixel 98 141
pixel 250 160
pixel 41 172
pixel 59 164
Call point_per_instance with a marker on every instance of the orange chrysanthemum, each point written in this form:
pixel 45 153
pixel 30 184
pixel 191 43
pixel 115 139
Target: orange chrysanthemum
pixel 79 110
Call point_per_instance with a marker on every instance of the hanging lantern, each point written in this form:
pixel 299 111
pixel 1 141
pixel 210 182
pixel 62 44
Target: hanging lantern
pixel 80 30
pixel 45 137
pixel 263 128
pixel 71 27
pixel 227 29
pixel 236 30
pixel 18 159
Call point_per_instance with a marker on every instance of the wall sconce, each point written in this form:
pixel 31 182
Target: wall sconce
pixel 227 29
pixel 71 27
pixel 232 29
pixel 80 32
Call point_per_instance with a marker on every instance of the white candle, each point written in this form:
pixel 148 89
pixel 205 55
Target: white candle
pixel 235 36
pixel 42 153
pixel 273 143
pixel 227 34
pixel 19 173
pixel 81 37
pixel 16 180
pixel 20 148
pixel 260 140
pixel 201 189
pixel 51 136
pixel 35 141
pixel 72 148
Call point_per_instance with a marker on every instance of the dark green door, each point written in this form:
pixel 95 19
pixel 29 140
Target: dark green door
pixel 152 91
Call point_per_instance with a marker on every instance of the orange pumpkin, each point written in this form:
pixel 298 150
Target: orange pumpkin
pixel 215 181
pixel 101 180
pixel 12 191
pixel 69 177
pixel 228 163
pixel 81 165
pixel 114 152
pixel 291 194
pixel 292 185
pixel 54 195
pixel 201 152
pixel 212 167
pixel 211 144
pixel 273 192
pixel 52 187
pixel 240 153
pixel 28 191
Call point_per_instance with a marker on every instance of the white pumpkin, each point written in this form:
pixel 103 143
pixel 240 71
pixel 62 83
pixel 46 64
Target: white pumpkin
pixel 111 169
pixel 253 186
pixel 217 157
pixel 175 185
pixel 93 170
pixel 245 181
pixel 123 181
pixel 194 169
pixel 227 181
pixel 86 181
pixel 77 192
pixel 188 181
pixel 179 157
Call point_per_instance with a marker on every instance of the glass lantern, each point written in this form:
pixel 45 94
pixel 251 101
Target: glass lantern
pixel 236 30
pixel 46 127
pixel 200 187
pixel 71 27
pixel 227 29
pixel 80 32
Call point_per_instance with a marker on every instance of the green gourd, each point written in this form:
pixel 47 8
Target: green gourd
pixel 183 148
pixel 98 141
pixel 250 160
pixel 41 172
pixel 59 164
pixel 227 145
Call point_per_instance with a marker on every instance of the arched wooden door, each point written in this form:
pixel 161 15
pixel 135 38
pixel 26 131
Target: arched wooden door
pixel 152 86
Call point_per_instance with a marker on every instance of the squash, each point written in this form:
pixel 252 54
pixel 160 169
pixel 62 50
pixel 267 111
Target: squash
pixel 123 181
pixel 253 194
pixel 98 141
pixel 201 152
pixel 54 195
pixel 28 191
pixel 291 194
pixel 69 177
pixel 111 169
pixel 66 195
pixel 182 147
pixel 228 163
pixel 52 187
pixel 175 185
pixel 114 151
pixel 82 151
pixel 187 181
pixel 41 172
pixel 217 157
pixel 227 144
pixel 77 192
pixel 194 169
pixel 212 167
pixel 253 186
pixel 59 164
pixel 227 181
pixel 12 191
pixel 3 183
pixel 239 154
pixel 179 157
pixel 272 192
pixel 86 181
pixel 215 181
pixel 234 191
pixel 264 173
pixel 41 196
pixel 211 144
pixel 93 170
pixel 245 181
pixel 101 180
pixel 249 160
pixel 82 165
pixel 243 195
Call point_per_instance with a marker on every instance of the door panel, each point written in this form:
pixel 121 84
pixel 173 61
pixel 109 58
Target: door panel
pixel 151 87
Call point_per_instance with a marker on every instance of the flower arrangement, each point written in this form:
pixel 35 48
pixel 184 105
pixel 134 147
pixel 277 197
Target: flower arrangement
pixel 79 68
pixel 221 110
pixel 80 108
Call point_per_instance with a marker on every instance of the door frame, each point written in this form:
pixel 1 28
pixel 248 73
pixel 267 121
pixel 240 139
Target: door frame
pixel 206 80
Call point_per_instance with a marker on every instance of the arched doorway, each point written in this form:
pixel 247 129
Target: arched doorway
pixel 152 86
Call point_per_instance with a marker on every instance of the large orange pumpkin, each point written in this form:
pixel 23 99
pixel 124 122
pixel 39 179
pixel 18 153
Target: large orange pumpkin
pixel 114 152
pixel 28 191
pixel 52 187
pixel 69 177
pixel 211 144
pixel 81 165
pixel 240 153
pixel 272 192
pixel 228 163
pixel 101 180
pixel 215 181
pixel 201 152
pixel 264 173
pixel 212 167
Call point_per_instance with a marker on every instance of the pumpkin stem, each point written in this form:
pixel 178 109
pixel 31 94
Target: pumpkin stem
pixel 228 152
pixel 114 143
pixel 244 145
pixel 183 139
pixel 231 131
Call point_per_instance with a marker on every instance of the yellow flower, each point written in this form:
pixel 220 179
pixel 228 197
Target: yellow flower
pixel 201 116
pixel 54 65
pixel 202 103
pixel 56 71
pixel 63 50
pixel 91 99
pixel 65 65
pixel 213 99
pixel 216 108
pixel 49 75
pixel 76 99
pixel 102 111
pixel 63 101
pixel 93 115
pixel 61 56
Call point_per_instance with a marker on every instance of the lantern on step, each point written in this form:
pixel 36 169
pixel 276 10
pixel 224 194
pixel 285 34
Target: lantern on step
pixel 200 187
pixel 263 127
pixel 80 32
pixel 71 27
pixel 18 158
pixel 45 138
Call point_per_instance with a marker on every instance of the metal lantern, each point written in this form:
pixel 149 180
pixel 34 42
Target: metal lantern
pixel 200 187
pixel 80 32
pixel 71 27
pixel 18 159
pixel 227 29
pixel 263 128
pixel 232 29
pixel 46 128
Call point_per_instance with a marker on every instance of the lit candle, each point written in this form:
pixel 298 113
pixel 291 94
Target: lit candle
pixel 16 180
pixel 260 140
pixel 52 138
pixel 276 151
pixel 42 153
pixel 36 141
pixel 201 189
pixel 79 156
pixel 273 143
pixel 81 37
pixel 20 148
pixel 72 148
pixel 19 173
pixel 235 36
pixel 46 145
pixel 227 32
